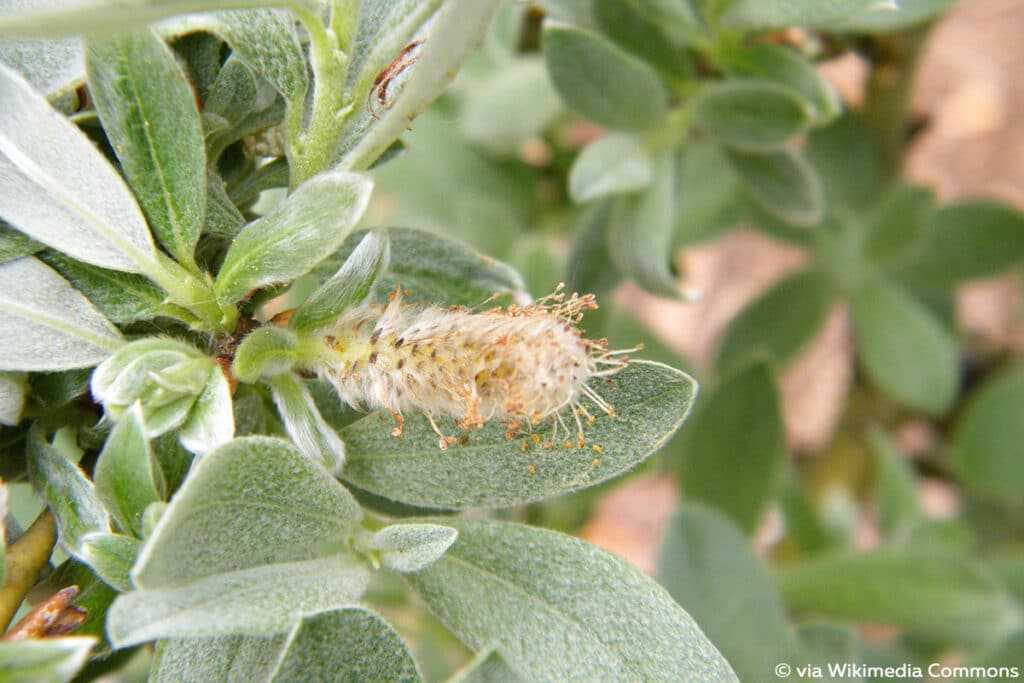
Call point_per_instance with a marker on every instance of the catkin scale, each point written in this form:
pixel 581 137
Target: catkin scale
pixel 515 365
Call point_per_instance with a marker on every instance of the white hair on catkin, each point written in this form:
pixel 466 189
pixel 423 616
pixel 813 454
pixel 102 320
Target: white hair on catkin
pixel 517 365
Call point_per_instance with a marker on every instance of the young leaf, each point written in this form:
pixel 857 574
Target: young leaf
pixel 12 400
pixel 265 352
pixel 49 660
pixel 938 596
pixel 651 401
pixel 348 644
pixel 263 601
pixel 295 236
pixel 708 567
pixel 614 164
pixel 640 235
pixel 988 435
pixel 432 268
pixel 786 67
pixel 409 548
pixel 122 297
pixel 561 609
pixel 601 81
pixel 783 183
pixel 94 218
pixel 49 325
pixel 488 666
pixel 228 658
pixel 776 325
pixel 766 14
pixel 896 489
pixel 111 556
pixel 905 350
pixel 308 430
pixel 513 106
pixel 735 447
pixel 894 16
pixel 752 115
pixel 14 244
pixel 900 224
pixel 126 475
pixel 655 31
pixel 149 115
pixel 212 420
pixel 71 496
pixel 346 288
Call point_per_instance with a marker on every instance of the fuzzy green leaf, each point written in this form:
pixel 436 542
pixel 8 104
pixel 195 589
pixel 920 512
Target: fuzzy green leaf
pixel 894 16
pixel 95 218
pixel 708 567
pixel 122 297
pixel 265 352
pixel 753 115
pixel 71 496
pixel 234 659
pixel 111 556
pixel 906 351
pixel 48 324
pixel 488 666
pixel 786 67
pixel 12 399
pixel 411 547
pixel 126 475
pixel 944 598
pixel 779 323
pixel 783 183
pixel 735 446
pixel 14 244
pixel 563 609
pixel 212 420
pixel 614 164
pixel 651 401
pixel 308 430
pixel 349 644
pixel 294 237
pixel 50 660
pixel 602 81
pixel 989 436
pixel 766 14
pixel 149 115
pixel 434 269
pixel 346 288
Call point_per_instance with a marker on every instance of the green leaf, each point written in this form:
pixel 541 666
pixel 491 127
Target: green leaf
pixel 896 488
pixel 563 609
pixel 894 16
pixel 409 548
pixel 751 115
pixel 49 325
pixel 823 643
pixel 12 401
pixel 767 14
pixel 212 420
pixel 488 666
pixel 590 267
pixel 968 240
pixel 454 32
pixel 308 430
pixel 513 106
pixel 53 67
pixel 346 288
pixel 938 596
pixel 71 497
pixel 14 244
pixel 228 658
pixel 433 269
pixel 776 325
pixel 651 401
pixel 126 475
pixel 295 236
pixel 988 437
pixel 708 188
pixel 264 601
pixel 848 161
pixel 783 183
pixel 735 446
pixel 614 164
pixel 122 297
pixel 655 31
pixel 248 544
pixel 707 566
pixel 50 660
pixel 94 596
pixel 265 352
pixel 111 556
pixel 786 67
pixel 252 502
pixel 349 644
pixel 900 223
pixel 906 351
pixel 95 218
pixel 149 114
pixel 640 235
pixel 601 81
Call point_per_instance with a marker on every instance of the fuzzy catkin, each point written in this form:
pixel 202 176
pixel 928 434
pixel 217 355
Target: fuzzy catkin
pixel 518 365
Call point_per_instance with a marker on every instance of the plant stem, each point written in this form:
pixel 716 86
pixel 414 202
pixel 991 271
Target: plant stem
pixel 26 558
pixel 189 292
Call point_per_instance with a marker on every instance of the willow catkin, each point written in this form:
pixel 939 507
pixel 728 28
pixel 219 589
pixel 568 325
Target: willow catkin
pixel 517 365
